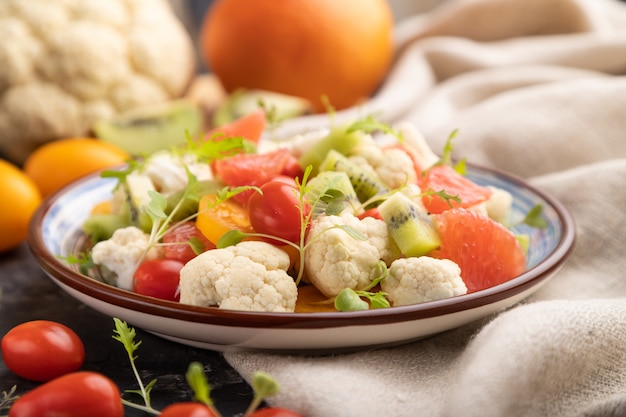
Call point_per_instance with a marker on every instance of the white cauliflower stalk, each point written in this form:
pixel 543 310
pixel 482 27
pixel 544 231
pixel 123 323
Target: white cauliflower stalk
pixel 65 64
pixel 421 279
pixel 335 260
pixel 250 276
pixel 123 252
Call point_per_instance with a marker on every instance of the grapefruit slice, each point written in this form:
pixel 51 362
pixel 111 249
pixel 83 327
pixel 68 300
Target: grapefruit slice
pixel 487 252
pixel 445 178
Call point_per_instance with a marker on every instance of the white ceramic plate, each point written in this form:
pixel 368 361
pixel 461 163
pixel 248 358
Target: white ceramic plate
pixel 55 232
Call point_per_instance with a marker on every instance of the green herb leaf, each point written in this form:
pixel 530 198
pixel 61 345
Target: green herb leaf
pixel 156 207
pixel 376 299
pixel 230 238
pixel 83 260
pixel 197 246
pixel 126 336
pixel 534 218
pixel 446 156
pixel 370 124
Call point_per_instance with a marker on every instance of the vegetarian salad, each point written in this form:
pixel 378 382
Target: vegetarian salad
pixel 361 215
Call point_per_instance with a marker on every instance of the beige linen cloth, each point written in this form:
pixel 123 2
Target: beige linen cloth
pixel 537 88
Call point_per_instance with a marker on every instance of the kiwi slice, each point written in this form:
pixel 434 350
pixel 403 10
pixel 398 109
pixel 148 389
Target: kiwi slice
pixel 338 139
pixel 331 193
pixel 279 106
pixel 365 184
pixel 149 129
pixel 413 230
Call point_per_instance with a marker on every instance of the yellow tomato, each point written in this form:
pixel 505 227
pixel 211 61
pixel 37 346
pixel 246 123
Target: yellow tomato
pixel 58 163
pixel 20 199
pixel 214 220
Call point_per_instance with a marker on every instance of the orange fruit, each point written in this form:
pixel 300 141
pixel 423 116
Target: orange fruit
pixel 304 48
pixel 58 163
pixel 20 199
pixel 486 251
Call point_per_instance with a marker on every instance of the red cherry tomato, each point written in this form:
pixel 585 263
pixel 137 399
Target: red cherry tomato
pixel 41 350
pixel 158 278
pixel 187 409
pixel 77 394
pixel 177 239
pixel 276 212
pixel 274 412
pixel 373 212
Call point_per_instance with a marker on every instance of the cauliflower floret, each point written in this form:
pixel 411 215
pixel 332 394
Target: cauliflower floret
pixel 335 260
pixel 499 205
pixel 168 174
pixel 122 253
pixel 250 276
pixel 421 279
pixel 417 145
pixel 392 166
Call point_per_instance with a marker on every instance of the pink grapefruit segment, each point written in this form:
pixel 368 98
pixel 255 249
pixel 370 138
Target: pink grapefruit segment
pixel 445 178
pixel 487 252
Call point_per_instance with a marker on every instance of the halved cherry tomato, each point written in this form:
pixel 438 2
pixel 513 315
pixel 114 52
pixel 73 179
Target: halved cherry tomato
pixel 187 409
pixel 251 169
pixel 77 394
pixel 214 220
pixel 158 278
pixel 178 238
pixel 41 350
pixel 277 212
pixel 274 412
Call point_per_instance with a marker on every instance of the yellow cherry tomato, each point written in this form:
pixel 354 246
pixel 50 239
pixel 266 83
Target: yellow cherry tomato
pixel 20 199
pixel 214 220
pixel 58 163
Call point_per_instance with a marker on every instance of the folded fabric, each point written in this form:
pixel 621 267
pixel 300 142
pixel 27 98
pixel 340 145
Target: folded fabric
pixel 536 88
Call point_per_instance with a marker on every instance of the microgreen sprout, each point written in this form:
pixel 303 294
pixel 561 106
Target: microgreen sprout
pixel 126 336
pixel 370 124
pixel 443 194
pixel 8 398
pixel 446 155
pixel 200 386
pixel 264 386
pixel 82 259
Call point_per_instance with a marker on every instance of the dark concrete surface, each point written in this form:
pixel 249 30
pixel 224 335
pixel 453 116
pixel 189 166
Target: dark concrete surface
pixel 28 294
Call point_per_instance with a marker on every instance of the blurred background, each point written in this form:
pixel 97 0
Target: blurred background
pixel 191 12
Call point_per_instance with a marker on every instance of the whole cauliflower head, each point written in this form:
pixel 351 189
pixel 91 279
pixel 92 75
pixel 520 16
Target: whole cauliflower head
pixel 249 276
pixel 420 279
pixel 65 64
pixel 334 259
